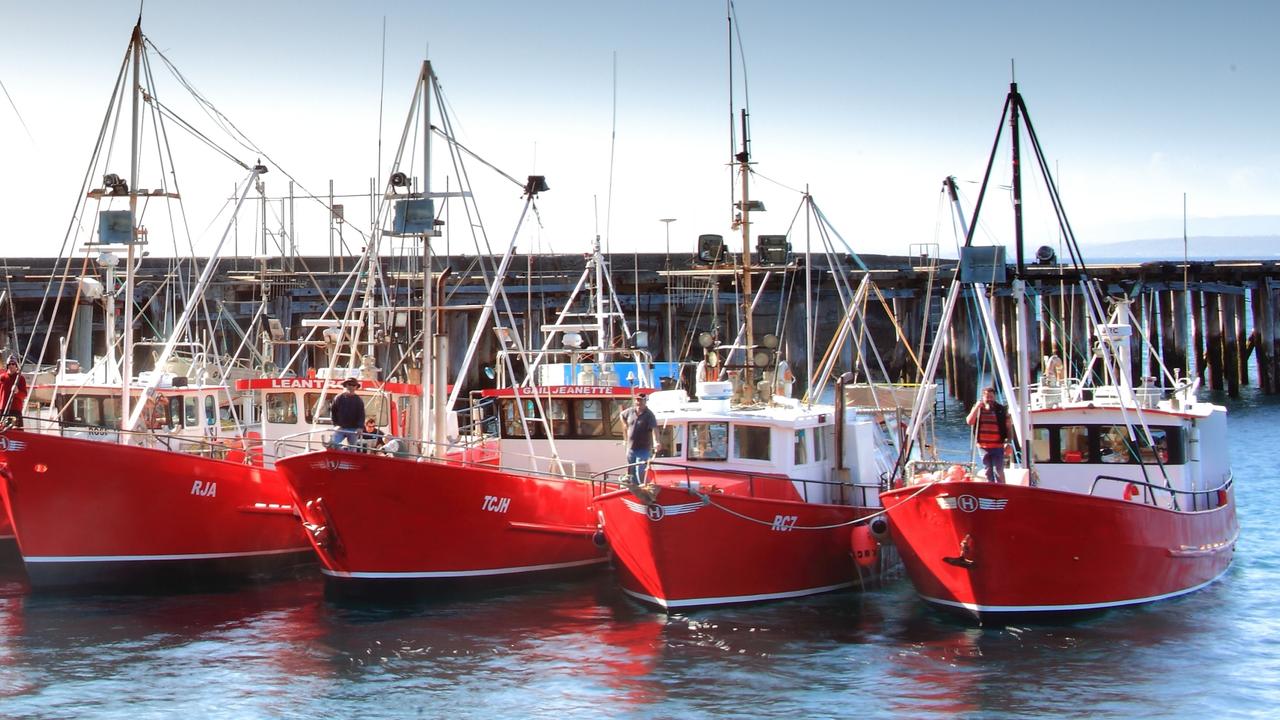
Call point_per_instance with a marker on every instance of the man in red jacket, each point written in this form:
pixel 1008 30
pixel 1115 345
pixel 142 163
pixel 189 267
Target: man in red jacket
pixel 991 420
pixel 13 392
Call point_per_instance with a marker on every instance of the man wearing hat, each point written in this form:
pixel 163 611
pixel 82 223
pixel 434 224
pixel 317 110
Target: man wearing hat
pixel 347 413
pixel 640 423
pixel 13 392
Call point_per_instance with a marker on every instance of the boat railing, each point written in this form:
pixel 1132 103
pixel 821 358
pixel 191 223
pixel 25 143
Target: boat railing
pixel 1149 490
pixel 615 477
pixel 198 445
pixel 465 451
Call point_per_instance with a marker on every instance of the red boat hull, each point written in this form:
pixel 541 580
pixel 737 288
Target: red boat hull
pixel 730 548
pixel 390 524
pixel 94 513
pixel 992 549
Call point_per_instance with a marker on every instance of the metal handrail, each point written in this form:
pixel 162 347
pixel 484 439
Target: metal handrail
pixel 41 425
pixel 292 441
pixel 1152 487
pixel 748 474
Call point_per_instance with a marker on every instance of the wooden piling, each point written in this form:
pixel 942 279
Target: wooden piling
pixel 1261 337
pixel 1213 340
pixel 1173 332
pixel 1230 345
pixel 1153 359
pixel 1197 334
pixel 1242 337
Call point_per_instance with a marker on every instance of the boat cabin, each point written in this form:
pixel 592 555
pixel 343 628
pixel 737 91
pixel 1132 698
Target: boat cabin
pixel 292 414
pixel 785 449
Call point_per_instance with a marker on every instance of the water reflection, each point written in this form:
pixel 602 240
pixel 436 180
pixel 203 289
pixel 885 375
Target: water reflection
pixel 582 648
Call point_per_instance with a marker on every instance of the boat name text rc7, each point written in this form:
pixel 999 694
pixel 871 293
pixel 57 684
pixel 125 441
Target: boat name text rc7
pixel 784 523
pixel 493 503
pixel 204 489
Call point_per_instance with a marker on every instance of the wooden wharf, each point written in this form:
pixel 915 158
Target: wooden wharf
pixel 1214 319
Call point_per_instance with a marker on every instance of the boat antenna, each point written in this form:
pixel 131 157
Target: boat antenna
pixel 613 142
pixel 382 92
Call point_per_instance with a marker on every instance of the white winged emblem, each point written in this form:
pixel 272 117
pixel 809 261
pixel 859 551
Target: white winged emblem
pixel 657 512
pixel 11 445
pixel 334 465
pixel 969 503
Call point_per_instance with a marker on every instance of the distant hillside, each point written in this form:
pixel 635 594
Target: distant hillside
pixel 1251 247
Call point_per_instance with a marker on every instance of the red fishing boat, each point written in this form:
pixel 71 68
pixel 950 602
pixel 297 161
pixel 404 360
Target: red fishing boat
pixel 91 513
pixel 507 496
pixel 745 504
pixel 1120 492
pixel 124 478
pixel 753 494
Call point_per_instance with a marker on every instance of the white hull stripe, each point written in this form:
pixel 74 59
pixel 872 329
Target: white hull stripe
pixel 974 607
pixel 730 599
pixel 156 558
pixel 457 573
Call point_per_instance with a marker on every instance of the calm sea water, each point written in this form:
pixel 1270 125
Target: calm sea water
pixel 581 649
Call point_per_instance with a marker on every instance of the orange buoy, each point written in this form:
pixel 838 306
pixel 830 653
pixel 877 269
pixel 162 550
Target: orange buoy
pixel 866 551
pixel 1131 491
pixel 1222 497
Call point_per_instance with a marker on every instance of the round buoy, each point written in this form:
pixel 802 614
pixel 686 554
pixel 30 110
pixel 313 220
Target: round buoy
pixel 598 538
pixel 866 551
pixel 1131 491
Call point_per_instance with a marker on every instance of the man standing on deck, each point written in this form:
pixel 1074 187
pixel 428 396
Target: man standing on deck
pixel 992 426
pixel 347 413
pixel 13 392
pixel 640 423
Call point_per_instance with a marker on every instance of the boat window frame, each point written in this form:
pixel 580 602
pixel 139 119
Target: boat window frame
pixel 669 436
pixel 717 448
pixel 741 442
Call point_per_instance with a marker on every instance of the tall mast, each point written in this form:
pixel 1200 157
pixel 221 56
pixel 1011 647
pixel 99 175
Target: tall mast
pixel 127 367
pixel 744 167
pixel 1020 285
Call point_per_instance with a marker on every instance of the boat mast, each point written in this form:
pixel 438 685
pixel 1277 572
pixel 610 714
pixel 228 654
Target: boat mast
pixel 429 388
pixel 1020 285
pixel 127 368
pixel 744 219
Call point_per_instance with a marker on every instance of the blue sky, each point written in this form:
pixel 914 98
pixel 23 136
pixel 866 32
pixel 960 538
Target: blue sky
pixel 868 104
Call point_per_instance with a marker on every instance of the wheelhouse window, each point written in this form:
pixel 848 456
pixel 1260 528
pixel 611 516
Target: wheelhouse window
pixel 175 411
pixel 616 406
pixel 751 442
pixel 1114 445
pixel 558 409
pixel 670 441
pixel 590 417
pixel 88 410
pixel 282 408
pixel 191 411
pixel 1042 444
pixel 801 447
pixel 314 411
pixel 513 426
pixel 210 411
pixel 1108 444
pixel 822 442
pixel 708 441
pixel 1073 443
